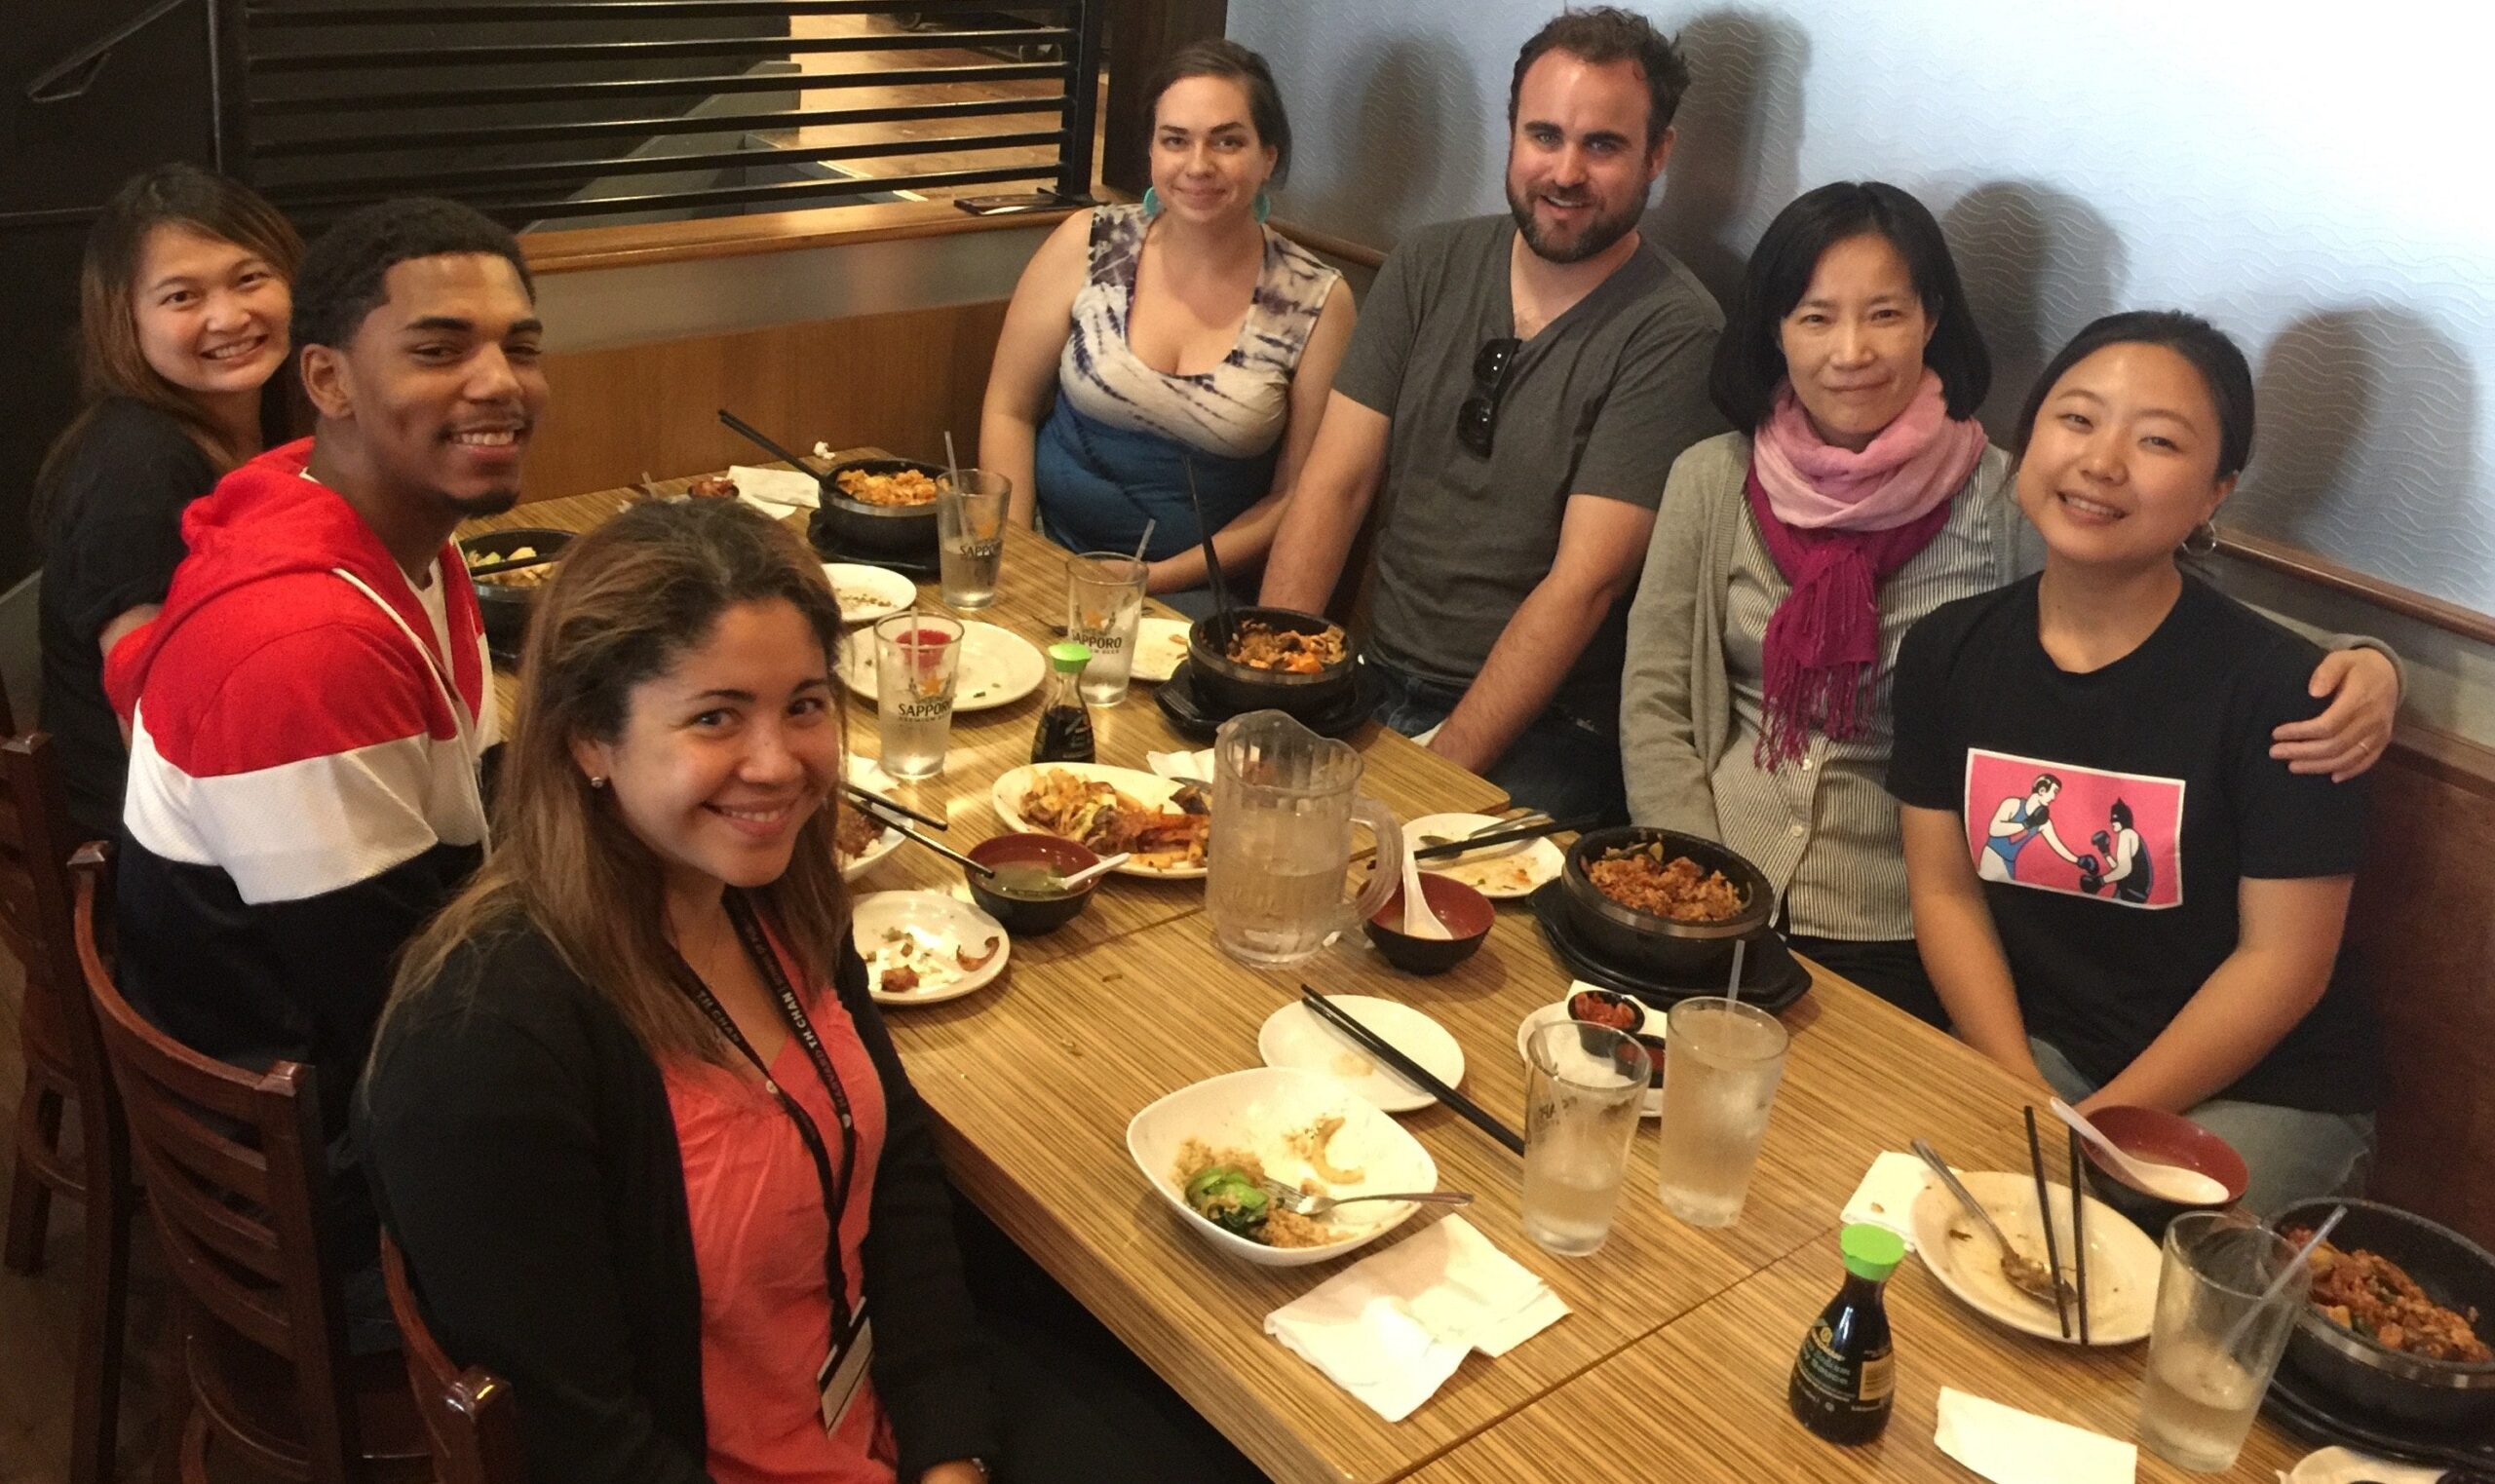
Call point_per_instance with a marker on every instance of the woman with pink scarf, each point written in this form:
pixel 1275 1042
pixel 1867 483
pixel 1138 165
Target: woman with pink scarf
pixel 1790 560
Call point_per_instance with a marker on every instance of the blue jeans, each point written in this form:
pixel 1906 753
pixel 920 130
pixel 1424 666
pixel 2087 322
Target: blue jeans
pixel 2294 1154
pixel 1561 764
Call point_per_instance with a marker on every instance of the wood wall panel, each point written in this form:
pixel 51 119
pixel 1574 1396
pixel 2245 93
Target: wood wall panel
pixel 2423 922
pixel 896 381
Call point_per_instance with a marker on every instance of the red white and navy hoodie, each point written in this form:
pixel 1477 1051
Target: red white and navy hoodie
pixel 304 785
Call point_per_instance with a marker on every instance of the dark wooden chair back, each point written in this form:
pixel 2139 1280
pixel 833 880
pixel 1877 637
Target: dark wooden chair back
pixel 235 1172
pixel 65 1068
pixel 471 1419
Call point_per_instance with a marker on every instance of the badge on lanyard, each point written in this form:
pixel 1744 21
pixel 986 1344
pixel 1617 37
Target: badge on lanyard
pixel 844 1370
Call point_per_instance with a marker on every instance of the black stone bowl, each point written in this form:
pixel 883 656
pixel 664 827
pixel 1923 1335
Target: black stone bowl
pixel 1233 688
pixel 505 608
pixel 844 527
pixel 1642 942
pixel 2389 1385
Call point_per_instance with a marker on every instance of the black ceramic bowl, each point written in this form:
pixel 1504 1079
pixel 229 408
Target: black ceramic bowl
pixel 841 526
pixel 1460 909
pixel 505 606
pixel 1032 916
pixel 1233 688
pixel 1642 942
pixel 2386 1385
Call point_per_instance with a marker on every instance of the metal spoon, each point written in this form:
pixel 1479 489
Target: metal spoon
pixel 2024 1273
pixel 1302 1203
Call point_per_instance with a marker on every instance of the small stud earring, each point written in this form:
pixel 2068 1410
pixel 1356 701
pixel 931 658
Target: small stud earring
pixel 598 781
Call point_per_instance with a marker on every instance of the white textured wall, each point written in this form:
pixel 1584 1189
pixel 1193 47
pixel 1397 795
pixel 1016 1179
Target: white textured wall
pixel 2320 180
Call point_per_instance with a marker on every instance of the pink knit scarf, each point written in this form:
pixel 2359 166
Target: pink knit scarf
pixel 1837 523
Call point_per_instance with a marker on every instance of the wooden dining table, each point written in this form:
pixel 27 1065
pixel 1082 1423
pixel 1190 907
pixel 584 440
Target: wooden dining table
pixel 1672 1360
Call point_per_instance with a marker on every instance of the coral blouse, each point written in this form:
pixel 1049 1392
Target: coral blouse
pixel 758 1231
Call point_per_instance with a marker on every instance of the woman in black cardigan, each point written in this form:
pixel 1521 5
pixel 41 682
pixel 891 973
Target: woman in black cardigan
pixel 600 1194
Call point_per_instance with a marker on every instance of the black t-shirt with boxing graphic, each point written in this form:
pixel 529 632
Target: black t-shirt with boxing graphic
pixel 2111 815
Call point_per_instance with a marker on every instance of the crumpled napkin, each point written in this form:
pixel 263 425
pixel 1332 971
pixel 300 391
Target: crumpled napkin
pixel 2009 1446
pixel 1392 1327
pixel 1181 765
pixel 776 491
pixel 1887 1193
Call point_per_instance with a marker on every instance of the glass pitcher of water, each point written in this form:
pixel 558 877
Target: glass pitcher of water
pixel 1284 804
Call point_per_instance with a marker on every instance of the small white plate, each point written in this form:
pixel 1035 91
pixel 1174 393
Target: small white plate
pixel 939 924
pixel 1518 868
pixel 869 774
pixel 1159 645
pixel 2122 1261
pixel 998 666
pixel 867 593
pixel 1257 1111
pixel 1552 1015
pixel 1149 789
pixel 1293 1037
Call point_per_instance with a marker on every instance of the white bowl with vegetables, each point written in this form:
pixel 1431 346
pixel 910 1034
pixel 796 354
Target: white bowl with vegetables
pixel 1303 1128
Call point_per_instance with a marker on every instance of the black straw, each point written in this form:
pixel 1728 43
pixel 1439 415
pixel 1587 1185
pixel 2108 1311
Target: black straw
pixel 1213 560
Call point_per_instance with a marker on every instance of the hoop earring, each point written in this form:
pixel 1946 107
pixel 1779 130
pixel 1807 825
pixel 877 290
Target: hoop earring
pixel 1264 206
pixel 1151 202
pixel 2200 541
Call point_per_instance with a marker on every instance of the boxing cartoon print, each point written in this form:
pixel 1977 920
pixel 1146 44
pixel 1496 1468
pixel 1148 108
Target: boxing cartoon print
pixel 2115 836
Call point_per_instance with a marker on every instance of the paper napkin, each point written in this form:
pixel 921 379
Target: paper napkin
pixel 1181 765
pixel 776 490
pixel 1887 1195
pixel 1392 1327
pixel 2009 1446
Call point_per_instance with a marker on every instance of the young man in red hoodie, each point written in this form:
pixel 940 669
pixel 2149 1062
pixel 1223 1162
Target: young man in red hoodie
pixel 309 713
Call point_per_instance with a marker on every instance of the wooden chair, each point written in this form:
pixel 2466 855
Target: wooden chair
pixel 64 1071
pixel 470 1417
pixel 236 1172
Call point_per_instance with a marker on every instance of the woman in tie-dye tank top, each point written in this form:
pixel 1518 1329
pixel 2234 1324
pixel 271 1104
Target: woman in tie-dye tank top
pixel 1146 343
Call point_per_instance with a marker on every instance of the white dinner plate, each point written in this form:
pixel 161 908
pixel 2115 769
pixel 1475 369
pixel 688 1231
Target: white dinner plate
pixel 935 924
pixel 1293 1037
pixel 1147 789
pixel 869 774
pixel 1159 645
pixel 1552 1015
pixel 867 593
pixel 1518 868
pixel 2122 1261
pixel 998 666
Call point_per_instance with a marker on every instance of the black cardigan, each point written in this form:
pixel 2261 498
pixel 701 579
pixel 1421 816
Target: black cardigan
pixel 523 1153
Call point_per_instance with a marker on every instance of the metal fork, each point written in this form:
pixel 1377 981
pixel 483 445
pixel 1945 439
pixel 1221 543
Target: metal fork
pixel 1302 1203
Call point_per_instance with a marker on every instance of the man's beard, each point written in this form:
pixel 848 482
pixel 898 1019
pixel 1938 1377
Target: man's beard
pixel 1599 234
pixel 493 502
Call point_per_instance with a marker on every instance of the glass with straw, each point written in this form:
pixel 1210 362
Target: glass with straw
pixel 1722 1063
pixel 970 532
pixel 2227 1296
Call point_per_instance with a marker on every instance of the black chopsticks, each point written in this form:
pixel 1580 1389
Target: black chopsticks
pixel 2079 1231
pixel 1471 842
pixel 869 796
pixel 2045 1212
pixel 1377 1045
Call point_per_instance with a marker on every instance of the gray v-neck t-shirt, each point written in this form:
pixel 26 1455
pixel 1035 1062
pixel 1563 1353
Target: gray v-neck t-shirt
pixel 1600 403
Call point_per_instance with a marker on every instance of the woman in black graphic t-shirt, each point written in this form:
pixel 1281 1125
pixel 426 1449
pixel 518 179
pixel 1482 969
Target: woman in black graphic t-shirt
pixel 2184 957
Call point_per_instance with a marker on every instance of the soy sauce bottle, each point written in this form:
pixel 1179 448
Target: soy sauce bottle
pixel 1843 1380
pixel 1065 724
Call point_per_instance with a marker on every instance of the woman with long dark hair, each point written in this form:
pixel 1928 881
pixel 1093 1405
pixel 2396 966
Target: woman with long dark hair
pixel 183 301
pixel 1177 341
pixel 631 1114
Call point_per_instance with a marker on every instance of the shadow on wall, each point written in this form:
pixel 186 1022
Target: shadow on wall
pixel 2038 265
pixel 1415 139
pixel 2368 448
pixel 1738 158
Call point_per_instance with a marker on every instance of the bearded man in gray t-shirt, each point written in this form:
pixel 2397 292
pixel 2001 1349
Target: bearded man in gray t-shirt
pixel 1521 387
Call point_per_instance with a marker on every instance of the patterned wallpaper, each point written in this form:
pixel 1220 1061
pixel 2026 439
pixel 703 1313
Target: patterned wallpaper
pixel 2320 189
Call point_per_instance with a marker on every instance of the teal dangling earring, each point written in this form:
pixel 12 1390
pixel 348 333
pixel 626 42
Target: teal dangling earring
pixel 1151 202
pixel 1264 206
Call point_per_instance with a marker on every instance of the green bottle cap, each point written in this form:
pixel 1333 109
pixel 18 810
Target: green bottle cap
pixel 1870 1251
pixel 1067 656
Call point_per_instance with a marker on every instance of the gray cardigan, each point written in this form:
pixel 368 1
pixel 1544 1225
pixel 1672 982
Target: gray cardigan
pixel 1827 824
